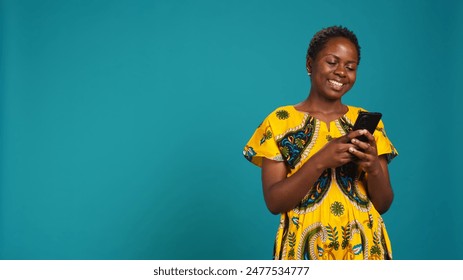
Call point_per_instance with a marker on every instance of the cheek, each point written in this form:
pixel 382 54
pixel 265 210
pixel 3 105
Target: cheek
pixel 352 77
pixel 321 68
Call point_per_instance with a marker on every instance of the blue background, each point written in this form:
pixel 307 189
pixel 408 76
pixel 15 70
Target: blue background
pixel 123 122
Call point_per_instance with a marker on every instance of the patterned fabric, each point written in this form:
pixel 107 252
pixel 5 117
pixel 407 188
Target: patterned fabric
pixel 335 220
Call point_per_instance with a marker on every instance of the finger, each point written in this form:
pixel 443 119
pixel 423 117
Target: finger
pixel 370 137
pixel 344 148
pixel 370 146
pixel 356 133
pixel 364 147
pixel 360 155
pixel 343 152
pixel 345 138
pixel 348 157
pixel 360 144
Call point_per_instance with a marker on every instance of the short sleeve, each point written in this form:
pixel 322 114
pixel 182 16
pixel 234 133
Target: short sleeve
pixel 383 144
pixel 262 144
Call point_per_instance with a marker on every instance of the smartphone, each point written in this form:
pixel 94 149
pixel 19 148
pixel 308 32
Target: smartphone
pixel 368 121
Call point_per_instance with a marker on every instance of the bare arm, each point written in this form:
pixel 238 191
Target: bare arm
pixel 378 183
pixel 281 193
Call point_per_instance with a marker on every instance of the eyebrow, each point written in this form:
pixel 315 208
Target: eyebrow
pixel 350 61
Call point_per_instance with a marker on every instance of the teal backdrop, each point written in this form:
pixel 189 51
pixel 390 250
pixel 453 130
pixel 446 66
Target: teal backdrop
pixel 123 122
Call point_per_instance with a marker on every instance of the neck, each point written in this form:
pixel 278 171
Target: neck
pixel 324 110
pixel 321 105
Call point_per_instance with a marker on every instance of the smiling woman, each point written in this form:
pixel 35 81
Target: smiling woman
pixel 328 209
pixel 334 73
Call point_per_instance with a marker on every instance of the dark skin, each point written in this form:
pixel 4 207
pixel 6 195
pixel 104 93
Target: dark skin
pixel 333 73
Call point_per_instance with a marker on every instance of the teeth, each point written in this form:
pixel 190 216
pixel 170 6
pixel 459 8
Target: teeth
pixel 335 83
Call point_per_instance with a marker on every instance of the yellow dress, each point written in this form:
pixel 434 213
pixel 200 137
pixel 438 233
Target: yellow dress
pixel 336 219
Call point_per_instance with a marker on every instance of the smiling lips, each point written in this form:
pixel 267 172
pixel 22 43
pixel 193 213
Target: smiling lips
pixel 335 84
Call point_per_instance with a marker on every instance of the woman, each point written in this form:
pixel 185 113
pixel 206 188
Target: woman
pixel 304 150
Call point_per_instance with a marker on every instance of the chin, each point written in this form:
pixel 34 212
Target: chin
pixel 336 96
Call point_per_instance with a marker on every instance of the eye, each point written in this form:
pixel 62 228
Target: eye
pixel 350 68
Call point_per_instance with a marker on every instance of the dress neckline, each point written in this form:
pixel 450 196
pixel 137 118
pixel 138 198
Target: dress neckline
pixel 327 124
pixel 307 113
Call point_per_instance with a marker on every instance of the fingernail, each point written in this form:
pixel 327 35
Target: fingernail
pixel 354 140
pixel 351 149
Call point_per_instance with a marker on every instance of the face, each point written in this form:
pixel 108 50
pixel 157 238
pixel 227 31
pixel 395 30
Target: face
pixel 334 69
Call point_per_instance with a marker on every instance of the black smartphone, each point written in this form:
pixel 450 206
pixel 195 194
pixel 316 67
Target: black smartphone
pixel 368 121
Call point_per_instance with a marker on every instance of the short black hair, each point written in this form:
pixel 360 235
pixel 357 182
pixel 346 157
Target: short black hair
pixel 320 38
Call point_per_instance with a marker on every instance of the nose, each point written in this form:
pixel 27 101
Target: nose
pixel 340 71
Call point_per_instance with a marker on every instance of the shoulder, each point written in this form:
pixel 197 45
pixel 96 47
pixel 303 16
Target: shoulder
pixel 282 113
pixel 354 110
pixel 283 118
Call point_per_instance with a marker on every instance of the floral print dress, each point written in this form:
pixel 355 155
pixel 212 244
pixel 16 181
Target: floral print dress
pixel 336 219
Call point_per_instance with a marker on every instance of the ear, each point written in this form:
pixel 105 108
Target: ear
pixel 308 65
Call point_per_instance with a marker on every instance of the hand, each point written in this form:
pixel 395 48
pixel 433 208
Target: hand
pixel 366 154
pixel 335 153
